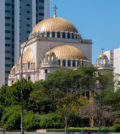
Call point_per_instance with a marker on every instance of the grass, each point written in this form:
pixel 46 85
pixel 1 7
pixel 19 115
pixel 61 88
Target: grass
pixel 84 128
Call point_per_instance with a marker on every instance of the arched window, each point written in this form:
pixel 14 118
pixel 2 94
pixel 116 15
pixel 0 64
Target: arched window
pixel 69 63
pixel 78 63
pixel 68 35
pixel 53 34
pixel 58 62
pixel 29 78
pixel 46 71
pixel 58 34
pixel 101 61
pixel 28 65
pixel 82 63
pixel 64 63
pixel 63 35
pixel 73 63
pixel 72 36
pixel 48 34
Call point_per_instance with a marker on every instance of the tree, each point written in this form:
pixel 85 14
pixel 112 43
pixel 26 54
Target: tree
pixel 12 95
pixel 71 102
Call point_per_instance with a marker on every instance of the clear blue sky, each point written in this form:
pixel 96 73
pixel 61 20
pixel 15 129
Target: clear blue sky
pixel 98 20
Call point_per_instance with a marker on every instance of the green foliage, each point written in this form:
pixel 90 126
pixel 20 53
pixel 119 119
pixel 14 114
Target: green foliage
pixel 105 129
pixel 40 100
pixel 12 95
pixel 31 121
pixel 116 127
pixel 52 120
pixel 2 111
pixel 12 118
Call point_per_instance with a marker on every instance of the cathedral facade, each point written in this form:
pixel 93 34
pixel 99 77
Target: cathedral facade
pixel 54 43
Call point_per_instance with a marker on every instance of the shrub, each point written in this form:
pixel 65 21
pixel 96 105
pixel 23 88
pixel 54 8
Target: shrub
pixel 12 119
pixel 105 129
pixel 116 127
pixel 52 120
pixel 9 111
pixel 31 121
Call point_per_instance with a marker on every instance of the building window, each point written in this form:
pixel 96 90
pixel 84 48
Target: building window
pixel 53 34
pixel 7 58
pixel 28 32
pixel 7 38
pixel 41 7
pixel 7 65
pixel 69 63
pixel 58 34
pixel 73 63
pixel 28 5
pixel 7 4
pixel 28 18
pixel 7 18
pixel 64 63
pixel 7 52
pixel 27 11
pixel 28 65
pixel 42 1
pixel 7 45
pixel 46 71
pixel 72 36
pixel 68 35
pixel 29 78
pixel 41 14
pixel 28 25
pixel 48 34
pixel 7 31
pixel 78 63
pixel 7 24
pixel 63 35
pixel 7 11
pixel 59 62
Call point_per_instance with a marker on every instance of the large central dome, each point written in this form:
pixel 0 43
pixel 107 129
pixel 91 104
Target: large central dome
pixel 55 24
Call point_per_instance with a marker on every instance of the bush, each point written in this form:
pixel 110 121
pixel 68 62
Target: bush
pixel 31 121
pixel 12 119
pixel 116 127
pixel 105 129
pixel 9 111
pixel 52 120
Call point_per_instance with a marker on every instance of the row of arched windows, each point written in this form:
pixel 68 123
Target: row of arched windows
pixel 71 63
pixel 64 35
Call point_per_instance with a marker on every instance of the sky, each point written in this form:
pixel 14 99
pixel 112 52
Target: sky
pixel 98 20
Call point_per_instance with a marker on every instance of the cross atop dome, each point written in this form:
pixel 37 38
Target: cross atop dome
pixel 102 50
pixel 55 9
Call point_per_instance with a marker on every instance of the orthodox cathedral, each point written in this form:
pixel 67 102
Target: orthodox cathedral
pixel 54 43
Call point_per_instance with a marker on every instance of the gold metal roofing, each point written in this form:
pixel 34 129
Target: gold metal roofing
pixel 67 52
pixel 27 56
pixel 54 24
pixel 102 56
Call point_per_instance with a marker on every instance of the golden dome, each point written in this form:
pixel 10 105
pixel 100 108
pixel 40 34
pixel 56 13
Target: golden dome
pixel 102 56
pixel 27 56
pixel 54 24
pixel 67 52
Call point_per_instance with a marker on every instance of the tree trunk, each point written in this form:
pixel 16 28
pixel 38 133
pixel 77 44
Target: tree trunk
pixel 66 125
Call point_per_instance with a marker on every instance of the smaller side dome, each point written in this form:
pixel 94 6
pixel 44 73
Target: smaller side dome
pixel 102 56
pixel 27 56
pixel 67 52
